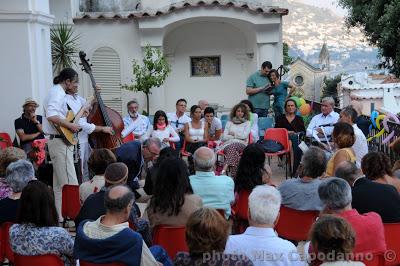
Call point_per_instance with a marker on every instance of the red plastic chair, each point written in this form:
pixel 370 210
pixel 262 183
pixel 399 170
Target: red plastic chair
pixel 85 263
pixel 172 238
pixel 240 212
pixel 40 260
pixel 294 224
pixel 128 138
pixel 70 204
pixel 5 140
pixel 279 135
pixel 392 233
pixel 183 150
pixel 5 244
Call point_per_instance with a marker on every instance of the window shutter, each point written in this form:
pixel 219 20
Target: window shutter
pixel 107 73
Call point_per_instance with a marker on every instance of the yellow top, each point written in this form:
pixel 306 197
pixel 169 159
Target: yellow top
pixel 330 168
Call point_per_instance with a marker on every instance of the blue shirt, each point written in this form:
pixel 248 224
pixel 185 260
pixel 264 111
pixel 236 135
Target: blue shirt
pixel 259 100
pixel 215 191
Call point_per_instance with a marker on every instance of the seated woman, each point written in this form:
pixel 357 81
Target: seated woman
pixel 333 239
pixel 343 138
pixel 214 124
pixel 279 90
pixel 206 235
pixel 173 200
pixel 376 167
pixel 235 137
pixel 253 120
pixel 195 131
pixel 98 161
pixel 37 231
pixel 7 156
pixel 295 126
pixel 19 173
pixel 161 130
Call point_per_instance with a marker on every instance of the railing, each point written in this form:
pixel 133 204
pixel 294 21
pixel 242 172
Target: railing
pixel 376 144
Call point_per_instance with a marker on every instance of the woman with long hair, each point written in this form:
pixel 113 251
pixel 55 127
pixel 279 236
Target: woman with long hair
pixel 253 120
pixel 173 200
pixel 162 130
pixel 280 92
pixel 196 131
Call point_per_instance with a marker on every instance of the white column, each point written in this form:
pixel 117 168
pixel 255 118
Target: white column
pixel 25 66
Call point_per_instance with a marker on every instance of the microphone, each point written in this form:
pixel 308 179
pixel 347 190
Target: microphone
pixel 327 125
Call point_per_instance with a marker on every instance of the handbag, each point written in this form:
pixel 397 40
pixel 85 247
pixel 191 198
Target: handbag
pixel 271 146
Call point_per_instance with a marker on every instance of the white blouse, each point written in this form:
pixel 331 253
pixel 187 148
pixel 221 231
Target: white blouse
pixel 168 133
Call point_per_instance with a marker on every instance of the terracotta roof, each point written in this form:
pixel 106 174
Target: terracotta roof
pixel 246 5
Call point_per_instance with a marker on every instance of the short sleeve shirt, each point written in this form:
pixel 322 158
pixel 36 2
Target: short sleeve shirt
pixel 215 125
pixel 28 127
pixel 259 100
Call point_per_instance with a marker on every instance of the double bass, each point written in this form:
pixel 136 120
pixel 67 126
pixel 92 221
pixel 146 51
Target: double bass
pixel 102 115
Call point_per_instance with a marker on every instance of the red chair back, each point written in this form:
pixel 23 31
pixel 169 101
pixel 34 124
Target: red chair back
pixel 40 260
pixel 5 244
pixel 392 233
pixel 128 138
pixel 280 135
pixel 294 224
pixel 70 204
pixel 172 238
pixel 85 263
pixel 241 206
pixel 5 140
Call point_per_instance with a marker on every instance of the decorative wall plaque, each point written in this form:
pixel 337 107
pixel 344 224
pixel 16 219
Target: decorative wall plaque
pixel 205 66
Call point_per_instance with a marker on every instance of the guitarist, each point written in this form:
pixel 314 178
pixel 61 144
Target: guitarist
pixel 76 102
pixel 61 154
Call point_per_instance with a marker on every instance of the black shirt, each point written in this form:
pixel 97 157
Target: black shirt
pixel 8 210
pixel 28 126
pixel 297 124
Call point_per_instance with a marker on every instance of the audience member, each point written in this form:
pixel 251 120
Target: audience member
pixel 203 104
pixel 215 191
pixel 37 231
pixel 235 137
pixel 253 118
pixel 386 199
pixel 178 120
pixel 173 200
pixel 343 138
pixel 334 238
pixel 195 131
pixel 98 161
pixel 360 146
pixel 295 126
pixel 335 193
pixel 7 156
pixel 214 124
pixel 302 193
pixel 280 92
pixel 93 207
pixel 327 116
pixel 362 122
pixel 109 238
pixel 376 167
pixel 206 236
pixel 18 175
pixel 259 240
pixel 134 122
pixel 162 130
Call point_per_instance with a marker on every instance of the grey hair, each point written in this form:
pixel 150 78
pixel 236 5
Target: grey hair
pixel 18 174
pixel 329 100
pixel 264 204
pixel 204 164
pixel 314 162
pixel 148 142
pixel 347 171
pixel 118 204
pixel 335 193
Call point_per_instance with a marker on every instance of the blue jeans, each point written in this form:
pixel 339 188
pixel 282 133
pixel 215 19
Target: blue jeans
pixel 161 255
pixel 261 112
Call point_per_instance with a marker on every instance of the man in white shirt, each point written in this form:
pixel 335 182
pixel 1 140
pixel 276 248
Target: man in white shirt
pixel 360 146
pixel 76 102
pixel 324 120
pixel 55 111
pixel 178 120
pixel 134 122
pixel 259 242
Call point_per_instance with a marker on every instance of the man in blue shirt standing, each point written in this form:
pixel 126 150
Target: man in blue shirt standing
pixel 256 86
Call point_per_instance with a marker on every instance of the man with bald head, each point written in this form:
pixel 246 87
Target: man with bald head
pixel 109 238
pixel 215 191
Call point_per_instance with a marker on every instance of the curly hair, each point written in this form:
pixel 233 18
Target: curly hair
pixel 343 135
pixel 244 109
pixel 251 168
pixel 376 165
pixel 331 234
pixel 206 231
pixel 10 155
pixel 172 183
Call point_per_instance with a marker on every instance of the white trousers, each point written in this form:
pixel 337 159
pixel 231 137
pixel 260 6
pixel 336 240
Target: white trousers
pixel 84 153
pixel 62 157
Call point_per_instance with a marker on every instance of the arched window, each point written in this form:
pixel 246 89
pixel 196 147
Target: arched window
pixel 107 72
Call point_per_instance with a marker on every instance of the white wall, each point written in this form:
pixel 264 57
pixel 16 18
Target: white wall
pixel 206 39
